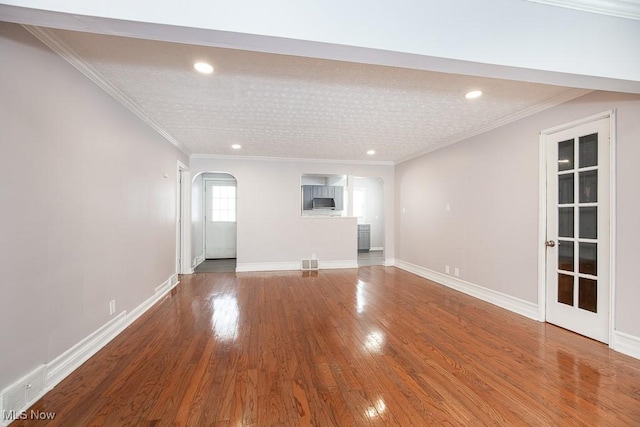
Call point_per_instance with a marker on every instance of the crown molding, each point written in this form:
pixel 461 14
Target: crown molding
pixel 292 159
pixel 629 9
pixel 549 103
pixel 59 47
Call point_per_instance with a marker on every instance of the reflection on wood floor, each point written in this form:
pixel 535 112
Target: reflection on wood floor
pixel 370 258
pixel 368 346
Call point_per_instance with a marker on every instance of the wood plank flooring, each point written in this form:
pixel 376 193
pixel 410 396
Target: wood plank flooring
pixel 372 346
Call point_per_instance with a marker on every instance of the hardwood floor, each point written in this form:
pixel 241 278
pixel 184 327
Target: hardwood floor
pixel 370 258
pixel 373 346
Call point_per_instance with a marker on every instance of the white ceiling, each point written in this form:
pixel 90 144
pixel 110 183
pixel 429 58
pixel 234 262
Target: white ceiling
pixel 295 107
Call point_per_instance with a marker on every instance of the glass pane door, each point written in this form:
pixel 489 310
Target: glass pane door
pixel 577 280
pixel 578 222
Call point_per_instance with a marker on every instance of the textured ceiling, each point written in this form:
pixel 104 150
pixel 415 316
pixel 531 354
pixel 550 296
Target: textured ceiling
pixel 296 107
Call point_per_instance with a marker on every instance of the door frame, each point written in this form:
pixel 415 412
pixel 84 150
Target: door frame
pixel 204 206
pixel 183 219
pixel 542 212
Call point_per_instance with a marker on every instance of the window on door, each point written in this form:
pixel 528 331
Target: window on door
pixel 223 206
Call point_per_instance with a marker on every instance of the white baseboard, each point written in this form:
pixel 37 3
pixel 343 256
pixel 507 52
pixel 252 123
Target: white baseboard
pixel 243 267
pixel 326 265
pixel 197 261
pixel 161 291
pixel 621 342
pixel 516 305
pixel 16 398
pixel 60 367
pixel 626 344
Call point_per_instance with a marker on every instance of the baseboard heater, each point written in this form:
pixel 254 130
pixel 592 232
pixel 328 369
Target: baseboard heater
pixel 309 264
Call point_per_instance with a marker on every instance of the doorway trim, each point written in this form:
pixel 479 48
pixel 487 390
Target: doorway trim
pixel 201 196
pixel 205 180
pixel 542 212
pixel 183 219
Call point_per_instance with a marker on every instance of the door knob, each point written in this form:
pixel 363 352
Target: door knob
pixel 549 243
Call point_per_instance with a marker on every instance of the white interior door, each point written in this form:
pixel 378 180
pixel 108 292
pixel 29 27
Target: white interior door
pixel 220 219
pixel 578 241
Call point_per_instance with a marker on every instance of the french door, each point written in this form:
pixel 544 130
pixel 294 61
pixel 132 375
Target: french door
pixel 578 218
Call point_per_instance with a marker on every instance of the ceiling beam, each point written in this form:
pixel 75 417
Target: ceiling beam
pixel 507 39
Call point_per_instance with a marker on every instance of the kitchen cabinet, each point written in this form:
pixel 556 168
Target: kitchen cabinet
pixel 323 192
pixel 307 197
pixel 364 237
pixel 310 192
pixel 339 198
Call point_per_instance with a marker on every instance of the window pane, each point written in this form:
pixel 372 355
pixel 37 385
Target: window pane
pixel 565 155
pixel 565 256
pixel 565 188
pixel 588 295
pixel 588 258
pixel 589 186
pixel 589 223
pixel 565 222
pixel 565 289
pixel 223 203
pixel 588 148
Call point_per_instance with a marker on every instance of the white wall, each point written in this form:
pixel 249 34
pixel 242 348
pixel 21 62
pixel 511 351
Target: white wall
pixel 494 38
pixel 491 183
pixel 271 229
pixel 86 215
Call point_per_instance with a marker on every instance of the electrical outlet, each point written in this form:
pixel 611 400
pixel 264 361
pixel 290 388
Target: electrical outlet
pixel 112 307
pixel 446 269
pixel 456 272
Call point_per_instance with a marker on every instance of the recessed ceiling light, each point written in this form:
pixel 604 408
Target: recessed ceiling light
pixel 473 94
pixel 371 152
pixel 203 67
pixel 236 146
